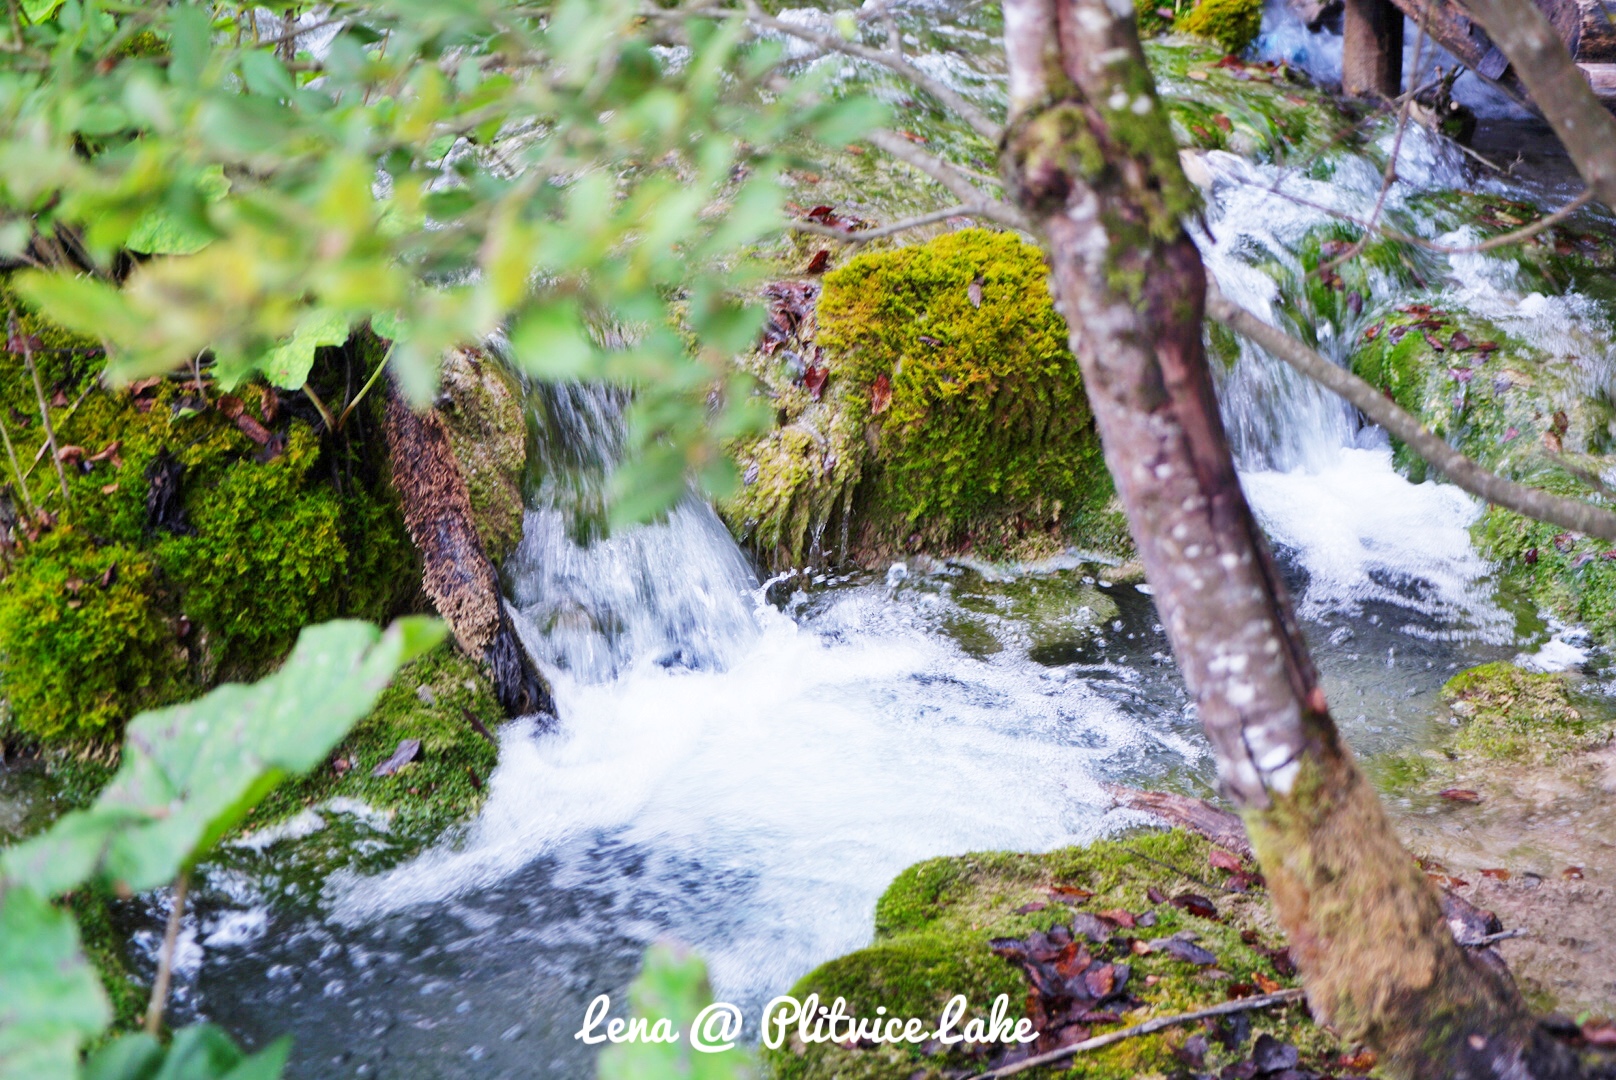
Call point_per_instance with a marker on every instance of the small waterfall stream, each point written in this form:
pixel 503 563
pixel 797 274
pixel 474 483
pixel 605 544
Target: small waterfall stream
pixel 745 765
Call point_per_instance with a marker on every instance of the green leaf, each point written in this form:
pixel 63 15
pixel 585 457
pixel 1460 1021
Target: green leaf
pixel 550 342
pixel 131 1057
pixel 287 365
pixel 191 772
pixel 672 984
pixel 160 231
pixel 91 307
pixel 50 999
pixel 37 11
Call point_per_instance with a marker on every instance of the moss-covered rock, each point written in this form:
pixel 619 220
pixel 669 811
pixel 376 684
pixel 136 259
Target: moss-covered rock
pixel 1233 24
pixel 934 923
pixel 941 409
pixel 430 700
pixel 1508 714
pixel 482 411
pixel 199 533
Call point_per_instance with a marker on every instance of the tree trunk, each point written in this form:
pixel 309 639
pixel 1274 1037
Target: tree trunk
pixel 457 575
pixel 1372 49
pixel 1090 158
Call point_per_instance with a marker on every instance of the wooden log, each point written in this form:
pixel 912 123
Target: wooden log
pixel 1372 50
pixel 1596 32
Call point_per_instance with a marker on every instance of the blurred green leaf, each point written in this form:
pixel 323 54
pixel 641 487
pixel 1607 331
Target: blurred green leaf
pixel 289 363
pixel 672 984
pixel 191 772
pixel 50 998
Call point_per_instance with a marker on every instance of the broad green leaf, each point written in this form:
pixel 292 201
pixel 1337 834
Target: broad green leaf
pixel 50 998
pixel 550 342
pixel 37 11
pixel 191 772
pixel 84 304
pixel 288 364
pixel 129 1057
pixel 672 984
pixel 162 232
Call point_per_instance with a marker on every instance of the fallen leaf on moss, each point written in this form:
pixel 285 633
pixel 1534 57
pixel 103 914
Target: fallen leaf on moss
pixel 1195 904
pixel 408 750
pixel 1455 794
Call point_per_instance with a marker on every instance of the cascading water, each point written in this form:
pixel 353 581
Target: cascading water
pixel 744 766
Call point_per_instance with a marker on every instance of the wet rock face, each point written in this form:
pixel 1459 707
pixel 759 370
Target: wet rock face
pixel 482 415
pixel 926 400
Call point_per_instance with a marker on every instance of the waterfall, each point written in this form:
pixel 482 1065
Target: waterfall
pixel 676 593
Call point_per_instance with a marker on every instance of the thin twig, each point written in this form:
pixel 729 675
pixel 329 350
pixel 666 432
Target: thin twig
pixel 20 339
pixel 1488 939
pixel 39 455
pixel 1536 503
pixel 1148 1027
pixel 946 174
pixel 363 390
pixel 1389 176
pixel 325 413
pixel 864 236
pixel 1526 232
pixel 1180 871
pixel 16 471
pixel 165 959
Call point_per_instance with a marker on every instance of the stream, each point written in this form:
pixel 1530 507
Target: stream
pixel 743 765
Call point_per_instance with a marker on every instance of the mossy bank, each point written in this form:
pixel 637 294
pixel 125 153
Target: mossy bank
pixel 934 925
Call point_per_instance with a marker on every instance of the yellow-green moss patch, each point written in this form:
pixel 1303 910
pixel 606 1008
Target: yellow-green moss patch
pixel 1514 715
pixel 933 925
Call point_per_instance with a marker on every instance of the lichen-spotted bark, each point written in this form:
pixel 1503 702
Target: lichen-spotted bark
pixel 1089 157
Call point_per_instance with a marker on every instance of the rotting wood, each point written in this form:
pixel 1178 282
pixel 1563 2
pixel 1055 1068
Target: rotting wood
pixel 457 575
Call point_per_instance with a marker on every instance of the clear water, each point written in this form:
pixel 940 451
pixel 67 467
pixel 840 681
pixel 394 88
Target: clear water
pixel 744 765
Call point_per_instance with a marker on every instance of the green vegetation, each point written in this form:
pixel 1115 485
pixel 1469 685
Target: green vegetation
pixel 1509 714
pixel 107 608
pixel 189 774
pixel 934 922
pixel 1233 24
pixel 428 701
pixel 953 415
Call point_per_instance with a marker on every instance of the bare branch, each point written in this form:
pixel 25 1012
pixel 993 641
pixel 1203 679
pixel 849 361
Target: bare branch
pixel 1149 1026
pixel 989 211
pixel 1533 502
pixel 165 958
pixel 1517 236
pixel 944 173
pixel 951 100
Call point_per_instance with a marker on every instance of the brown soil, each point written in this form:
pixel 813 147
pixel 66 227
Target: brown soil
pixel 1552 830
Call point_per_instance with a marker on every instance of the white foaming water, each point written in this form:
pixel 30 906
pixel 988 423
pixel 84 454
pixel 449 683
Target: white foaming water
pixel 805 764
pixel 1316 482
pixel 819 762
pixel 1365 534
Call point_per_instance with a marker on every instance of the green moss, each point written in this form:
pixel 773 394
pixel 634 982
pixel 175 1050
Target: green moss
pixel 1513 715
pixel 488 433
pixel 1233 24
pixel 428 700
pixel 933 925
pixel 107 949
pixel 987 419
pixel 83 640
pixel 103 613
